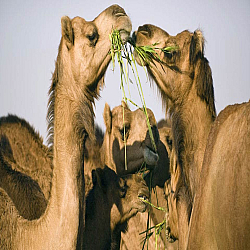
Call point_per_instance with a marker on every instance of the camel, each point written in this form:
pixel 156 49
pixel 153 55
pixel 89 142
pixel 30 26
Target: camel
pixel 111 190
pixel 38 161
pixel 76 81
pixel 222 200
pixel 25 192
pixel 184 76
pixel 132 238
pixel 139 147
pixel 109 205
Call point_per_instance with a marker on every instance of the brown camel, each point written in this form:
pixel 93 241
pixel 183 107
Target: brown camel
pixel 139 147
pixel 25 192
pixel 221 206
pixel 132 238
pixel 76 81
pixel 109 205
pixel 34 157
pixel 29 201
pixel 185 78
pixel 25 159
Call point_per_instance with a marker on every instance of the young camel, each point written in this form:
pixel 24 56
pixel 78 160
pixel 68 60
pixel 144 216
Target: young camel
pixel 185 78
pixel 132 238
pixel 76 81
pixel 109 205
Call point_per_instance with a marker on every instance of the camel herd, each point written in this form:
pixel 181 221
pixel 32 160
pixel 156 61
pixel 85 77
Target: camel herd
pixel 79 192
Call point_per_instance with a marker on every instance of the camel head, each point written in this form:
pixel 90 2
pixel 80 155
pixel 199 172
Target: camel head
pixel 86 44
pixel 82 60
pixel 181 69
pixel 139 148
pixel 123 195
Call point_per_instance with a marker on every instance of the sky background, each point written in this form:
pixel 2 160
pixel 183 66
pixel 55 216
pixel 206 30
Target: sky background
pixel 30 33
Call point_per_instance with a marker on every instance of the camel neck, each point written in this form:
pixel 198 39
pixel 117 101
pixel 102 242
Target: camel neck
pixel 191 122
pixel 66 204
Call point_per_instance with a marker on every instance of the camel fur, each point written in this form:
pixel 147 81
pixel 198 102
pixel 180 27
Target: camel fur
pixel 76 81
pixel 184 77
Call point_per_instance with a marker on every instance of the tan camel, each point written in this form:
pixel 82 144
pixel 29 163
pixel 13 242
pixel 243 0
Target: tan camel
pixel 109 205
pixel 185 78
pixel 139 147
pixel 221 206
pixel 132 238
pixel 25 192
pixel 33 157
pixel 76 81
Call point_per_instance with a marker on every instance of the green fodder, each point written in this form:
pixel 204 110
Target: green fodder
pixel 125 58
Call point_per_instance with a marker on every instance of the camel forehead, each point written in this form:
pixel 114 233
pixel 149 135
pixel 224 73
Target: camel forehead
pixel 136 117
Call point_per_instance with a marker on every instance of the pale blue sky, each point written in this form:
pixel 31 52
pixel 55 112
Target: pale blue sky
pixel 30 34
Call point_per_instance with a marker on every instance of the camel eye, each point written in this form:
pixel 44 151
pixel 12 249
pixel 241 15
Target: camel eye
pixel 123 188
pixel 169 55
pixel 93 38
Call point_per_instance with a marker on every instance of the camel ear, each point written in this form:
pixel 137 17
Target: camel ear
pixel 67 31
pixel 196 46
pixel 125 105
pixel 107 116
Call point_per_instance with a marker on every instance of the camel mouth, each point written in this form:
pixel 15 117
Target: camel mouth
pixel 150 157
pixel 170 238
pixel 124 34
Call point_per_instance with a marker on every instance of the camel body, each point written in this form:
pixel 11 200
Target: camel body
pixel 185 80
pixel 76 81
pixel 220 217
